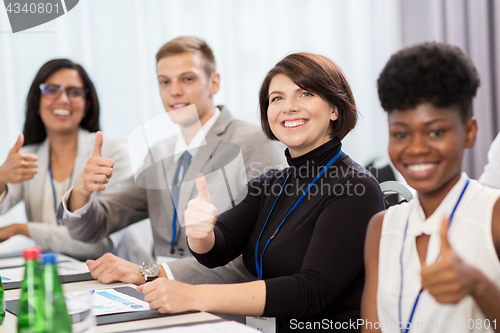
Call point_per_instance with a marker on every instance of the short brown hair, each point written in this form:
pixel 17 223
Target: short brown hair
pixel 317 74
pixel 186 44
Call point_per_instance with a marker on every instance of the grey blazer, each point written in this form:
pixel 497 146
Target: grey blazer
pixel 133 200
pixel 56 237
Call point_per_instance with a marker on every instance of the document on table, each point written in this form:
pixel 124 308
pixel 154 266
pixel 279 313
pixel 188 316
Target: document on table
pixel 9 262
pixel 12 274
pixel 63 268
pixel 220 327
pixel 71 268
pixel 107 301
pixel 12 262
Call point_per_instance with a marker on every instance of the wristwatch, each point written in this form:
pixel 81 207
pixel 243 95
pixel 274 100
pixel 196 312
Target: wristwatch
pixel 149 271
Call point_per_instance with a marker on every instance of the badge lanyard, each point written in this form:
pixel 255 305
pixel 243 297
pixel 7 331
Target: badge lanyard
pixel 54 190
pixel 406 328
pixel 258 264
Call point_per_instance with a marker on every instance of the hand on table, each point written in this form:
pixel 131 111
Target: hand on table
pixel 12 230
pixel 450 278
pixel 168 296
pixel 110 268
pixel 18 167
pixel 200 218
pixel 94 176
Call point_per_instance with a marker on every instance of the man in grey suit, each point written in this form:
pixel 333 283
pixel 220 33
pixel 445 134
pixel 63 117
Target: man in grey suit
pixel 210 141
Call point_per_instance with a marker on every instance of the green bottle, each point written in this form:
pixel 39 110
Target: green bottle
pixel 2 303
pixel 57 318
pixel 30 313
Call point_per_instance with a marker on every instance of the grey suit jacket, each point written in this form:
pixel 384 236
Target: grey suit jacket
pixel 148 196
pixel 56 237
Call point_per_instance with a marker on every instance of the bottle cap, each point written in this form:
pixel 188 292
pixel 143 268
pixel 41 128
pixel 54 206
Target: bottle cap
pixel 49 258
pixel 32 253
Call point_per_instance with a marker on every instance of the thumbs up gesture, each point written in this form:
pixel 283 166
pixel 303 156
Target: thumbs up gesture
pixel 18 167
pixel 449 279
pixel 199 218
pixel 94 176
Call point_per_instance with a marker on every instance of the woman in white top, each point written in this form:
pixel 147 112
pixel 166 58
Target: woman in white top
pixel 62 109
pixel 491 172
pixel 432 265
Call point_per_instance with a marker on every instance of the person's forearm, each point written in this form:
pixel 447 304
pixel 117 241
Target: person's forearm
pixel 77 200
pixel 162 274
pixel 486 295
pixel 22 229
pixel 3 182
pixel 244 299
pixel 13 230
pixel 202 246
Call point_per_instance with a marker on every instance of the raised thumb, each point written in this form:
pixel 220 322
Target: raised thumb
pixel 98 144
pixel 445 243
pixel 19 144
pixel 201 186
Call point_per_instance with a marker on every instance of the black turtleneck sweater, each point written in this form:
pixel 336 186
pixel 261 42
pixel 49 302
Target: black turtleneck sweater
pixel 313 267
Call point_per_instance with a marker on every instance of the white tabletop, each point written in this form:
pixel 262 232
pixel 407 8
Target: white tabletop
pixel 10 323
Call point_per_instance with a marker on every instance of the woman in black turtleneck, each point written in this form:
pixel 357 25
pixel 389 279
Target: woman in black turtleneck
pixel 311 274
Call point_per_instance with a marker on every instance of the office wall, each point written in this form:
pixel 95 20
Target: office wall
pixel 116 41
pixel 474 26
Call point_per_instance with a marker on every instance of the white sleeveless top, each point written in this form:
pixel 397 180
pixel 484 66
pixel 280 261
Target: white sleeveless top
pixel 470 237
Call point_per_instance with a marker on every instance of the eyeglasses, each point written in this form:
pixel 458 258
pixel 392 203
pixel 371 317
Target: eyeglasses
pixel 53 91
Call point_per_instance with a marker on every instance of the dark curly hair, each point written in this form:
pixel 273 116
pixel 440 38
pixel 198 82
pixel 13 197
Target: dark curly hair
pixel 317 74
pixel 34 129
pixel 434 73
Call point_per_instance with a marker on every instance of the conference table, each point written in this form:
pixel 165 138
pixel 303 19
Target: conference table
pixel 192 321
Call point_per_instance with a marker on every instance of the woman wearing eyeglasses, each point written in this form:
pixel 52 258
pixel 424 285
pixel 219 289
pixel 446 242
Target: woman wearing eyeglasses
pixel 62 109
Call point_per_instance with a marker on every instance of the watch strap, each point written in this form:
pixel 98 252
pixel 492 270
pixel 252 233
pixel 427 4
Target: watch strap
pixel 151 278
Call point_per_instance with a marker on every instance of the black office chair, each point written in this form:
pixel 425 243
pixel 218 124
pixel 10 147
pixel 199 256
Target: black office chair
pixel 395 190
pixel 382 170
